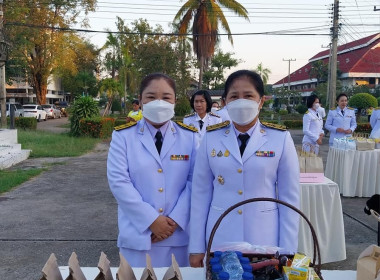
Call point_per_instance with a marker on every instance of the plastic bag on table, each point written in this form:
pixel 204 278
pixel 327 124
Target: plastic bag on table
pixel 248 248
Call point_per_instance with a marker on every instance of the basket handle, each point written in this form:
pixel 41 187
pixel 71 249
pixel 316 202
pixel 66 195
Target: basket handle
pixel 317 267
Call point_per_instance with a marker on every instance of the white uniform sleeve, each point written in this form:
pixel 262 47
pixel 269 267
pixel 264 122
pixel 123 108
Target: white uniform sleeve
pixel 306 128
pixel 329 122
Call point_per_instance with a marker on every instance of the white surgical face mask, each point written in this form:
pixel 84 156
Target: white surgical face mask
pixel 214 109
pixel 158 111
pixel 316 106
pixel 243 111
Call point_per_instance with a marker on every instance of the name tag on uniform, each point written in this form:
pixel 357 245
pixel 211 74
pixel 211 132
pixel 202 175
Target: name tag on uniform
pixel 265 153
pixel 179 157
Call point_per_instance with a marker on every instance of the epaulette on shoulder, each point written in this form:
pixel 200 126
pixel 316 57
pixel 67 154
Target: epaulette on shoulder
pixel 188 127
pixel 215 115
pixel 377 108
pixel 332 109
pixel 274 126
pixel 307 112
pixel 217 126
pixel 124 126
pixel 190 115
pixel 350 108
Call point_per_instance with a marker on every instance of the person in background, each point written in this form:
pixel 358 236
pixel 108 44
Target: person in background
pixel 149 170
pixel 312 126
pixel 202 117
pixel 341 122
pixel 240 160
pixel 369 113
pixel 375 123
pixel 223 112
pixel 215 107
pixel 136 114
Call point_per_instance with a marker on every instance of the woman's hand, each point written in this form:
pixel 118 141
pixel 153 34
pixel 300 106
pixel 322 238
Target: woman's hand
pixel 196 260
pixel 340 130
pixel 319 141
pixel 162 228
pixel 348 131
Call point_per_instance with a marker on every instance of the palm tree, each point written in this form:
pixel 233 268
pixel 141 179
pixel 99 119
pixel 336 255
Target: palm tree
pixel 263 72
pixel 206 16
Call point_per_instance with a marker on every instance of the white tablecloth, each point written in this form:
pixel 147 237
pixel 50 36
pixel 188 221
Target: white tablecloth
pixel 321 204
pixel 189 273
pixel 357 173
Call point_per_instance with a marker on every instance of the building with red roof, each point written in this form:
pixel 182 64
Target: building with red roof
pixel 358 62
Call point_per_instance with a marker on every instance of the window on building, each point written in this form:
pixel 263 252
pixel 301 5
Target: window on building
pixel 372 81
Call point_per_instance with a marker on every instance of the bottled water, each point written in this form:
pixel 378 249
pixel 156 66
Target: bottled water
pixel 247 267
pixel 214 260
pixel 223 276
pixel 247 276
pixel 215 270
pixel 231 264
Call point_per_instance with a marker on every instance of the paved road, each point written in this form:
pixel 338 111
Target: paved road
pixel 70 208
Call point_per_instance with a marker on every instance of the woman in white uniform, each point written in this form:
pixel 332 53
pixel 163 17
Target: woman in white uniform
pixel 149 169
pixel 202 117
pixel 341 122
pixel 375 123
pixel 312 126
pixel 239 160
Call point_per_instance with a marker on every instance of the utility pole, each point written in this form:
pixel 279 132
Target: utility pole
pixel 3 94
pixel 331 94
pixel 289 60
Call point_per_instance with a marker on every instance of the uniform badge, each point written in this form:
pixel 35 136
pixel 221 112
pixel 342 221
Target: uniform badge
pixel 173 129
pixel 213 153
pixel 227 131
pixel 220 154
pixel 179 157
pixel 142 129
pixel 262 130
pixel 221 180
pixel 265 153
pixel 226 153
pixel 190 124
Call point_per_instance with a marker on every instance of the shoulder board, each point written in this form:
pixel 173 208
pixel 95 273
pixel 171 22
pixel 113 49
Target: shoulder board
pixel 377 108
pixel 124 126
pixel 307 112
pixel 189 115
pixel 332 109
pixel 274 126
pixel 215 115
pixel 217 126
pixel 350 108
pixel 188 127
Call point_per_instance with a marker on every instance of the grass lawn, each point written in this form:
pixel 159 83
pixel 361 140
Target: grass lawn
pixel 13 178
pixel 47 144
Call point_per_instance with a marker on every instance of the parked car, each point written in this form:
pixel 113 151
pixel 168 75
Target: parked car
pixel 52 111
pixel 19 110
pixel 35 111
pixel 62 105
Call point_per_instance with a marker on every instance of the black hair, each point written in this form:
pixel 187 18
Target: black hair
pixel 136 102
pixel 252 76
pixel 156 76
pixel 215 102
pixel 207 97
pixel 310 100
pixel 340 95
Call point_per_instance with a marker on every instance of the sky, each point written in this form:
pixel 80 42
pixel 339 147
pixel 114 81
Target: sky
pixel 294 29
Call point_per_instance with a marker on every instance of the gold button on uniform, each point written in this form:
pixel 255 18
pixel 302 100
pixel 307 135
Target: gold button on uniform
pixel 161 210
pixel 161 189
pixel 159 170
pixel 240 170
pixel 240 212
pixel 240 192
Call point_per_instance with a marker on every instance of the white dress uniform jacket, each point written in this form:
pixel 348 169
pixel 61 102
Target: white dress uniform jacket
pixel 146 184
pixel 223 178
pixel 223 113
pixel 335 120
pixel 312 128
pixel 193 120
pixel 375 123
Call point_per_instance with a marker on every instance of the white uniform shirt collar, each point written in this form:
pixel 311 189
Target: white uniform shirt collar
pixel 249 132
pixel 198 118
pixel 154 130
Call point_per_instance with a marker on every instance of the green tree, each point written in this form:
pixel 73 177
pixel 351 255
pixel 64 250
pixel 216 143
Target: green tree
pixel 214 76
pixel 83 107
pixel 206 17
pixel 41 46
pixel 112 89
pixel 263 72
pixel 319 71
pixel 362 101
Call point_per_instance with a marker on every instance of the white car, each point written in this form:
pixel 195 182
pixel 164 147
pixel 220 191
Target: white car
pixel 52 111
pixel 17 107
pixel 35 111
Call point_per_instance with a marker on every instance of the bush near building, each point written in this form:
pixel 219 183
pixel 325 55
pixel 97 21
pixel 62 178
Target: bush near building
pixel 26 123
pixel 362 101
pixel 97 127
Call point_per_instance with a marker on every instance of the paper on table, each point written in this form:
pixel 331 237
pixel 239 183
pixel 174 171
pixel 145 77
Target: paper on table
pixel 173 272
pixel 148 273
pixel 50 270
pixel 74 268
pixel 104 267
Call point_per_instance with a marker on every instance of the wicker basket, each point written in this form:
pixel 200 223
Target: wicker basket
pixel 316 255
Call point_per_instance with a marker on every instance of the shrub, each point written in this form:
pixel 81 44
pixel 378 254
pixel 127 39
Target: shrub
pixel 96 127
pixel 363 128
pixel 301 109
pixel 378 101
pixel 293 123
pixel 283 112
pixel 83 107
pixel 26 123
pixel 362 101
pixel 116 106
pixel 182 106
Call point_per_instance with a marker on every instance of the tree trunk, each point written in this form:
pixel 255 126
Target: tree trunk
pixel 201 67
pixel 40 88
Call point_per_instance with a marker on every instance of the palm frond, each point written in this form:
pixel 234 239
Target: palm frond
pixel 236 7
pixel 188 6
